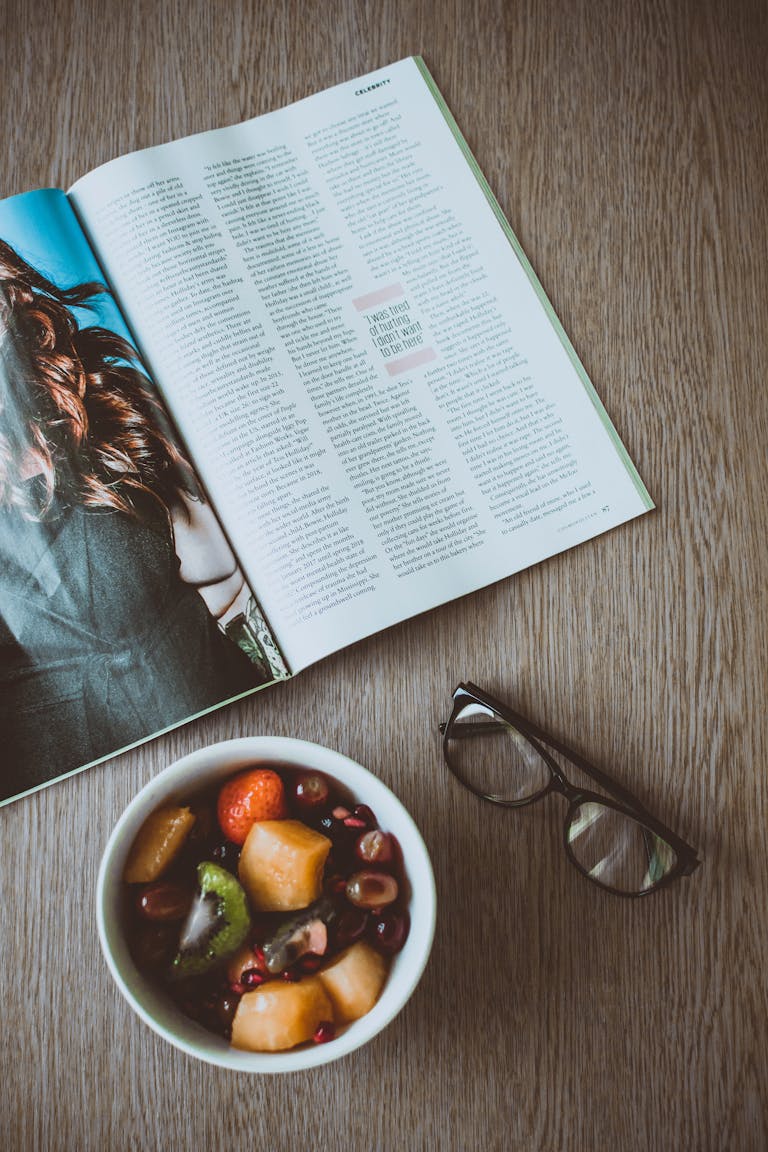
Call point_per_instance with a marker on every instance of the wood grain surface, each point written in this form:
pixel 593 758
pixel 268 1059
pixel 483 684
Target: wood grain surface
pixel 628 145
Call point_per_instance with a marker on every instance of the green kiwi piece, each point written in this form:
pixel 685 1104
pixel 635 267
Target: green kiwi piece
pixel 217 924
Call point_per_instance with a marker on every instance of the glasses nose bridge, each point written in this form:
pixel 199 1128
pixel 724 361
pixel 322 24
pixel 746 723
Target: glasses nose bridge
pixel 559 782
pixel 560 785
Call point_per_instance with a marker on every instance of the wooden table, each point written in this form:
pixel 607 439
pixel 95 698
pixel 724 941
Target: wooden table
pixel 628 145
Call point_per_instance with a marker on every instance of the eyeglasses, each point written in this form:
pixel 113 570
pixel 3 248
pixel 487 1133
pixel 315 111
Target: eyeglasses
pixel 616 843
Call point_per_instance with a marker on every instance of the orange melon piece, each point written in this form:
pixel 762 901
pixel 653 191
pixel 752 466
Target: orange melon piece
pixel 354 980
pixel 279 1016
pixel 281 865
pixel 157 844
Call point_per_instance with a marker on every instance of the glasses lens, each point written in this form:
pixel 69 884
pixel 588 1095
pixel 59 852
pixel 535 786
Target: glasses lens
pixel 616 850
pixel 493 758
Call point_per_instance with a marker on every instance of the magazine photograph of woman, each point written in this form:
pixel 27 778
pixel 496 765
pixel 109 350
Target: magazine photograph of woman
pixel 123 610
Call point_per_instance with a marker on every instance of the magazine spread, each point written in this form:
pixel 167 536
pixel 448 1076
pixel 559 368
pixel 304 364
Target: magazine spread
pixel 378 400
pixel 123 609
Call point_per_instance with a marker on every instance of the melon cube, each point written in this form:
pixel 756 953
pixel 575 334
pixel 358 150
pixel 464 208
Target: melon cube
pixel 281 865
pixel 157 844
pixel 354 980
pixel 279 1016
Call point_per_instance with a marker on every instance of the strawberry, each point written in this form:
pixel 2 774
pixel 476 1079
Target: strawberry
pixel 254 795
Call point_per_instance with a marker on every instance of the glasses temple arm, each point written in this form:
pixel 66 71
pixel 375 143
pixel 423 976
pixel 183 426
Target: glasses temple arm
pixel 476 729
pixel 536 736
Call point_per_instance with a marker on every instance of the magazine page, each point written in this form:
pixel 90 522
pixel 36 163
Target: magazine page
pixel 373 385
pixel 122 608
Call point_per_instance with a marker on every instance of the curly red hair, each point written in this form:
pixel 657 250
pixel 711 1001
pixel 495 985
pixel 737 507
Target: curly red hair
pixel 77 411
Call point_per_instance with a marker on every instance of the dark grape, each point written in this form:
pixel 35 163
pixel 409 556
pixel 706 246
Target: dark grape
pixel 225 1011
pixel 227 854
pixel 154 946
pixel 350 926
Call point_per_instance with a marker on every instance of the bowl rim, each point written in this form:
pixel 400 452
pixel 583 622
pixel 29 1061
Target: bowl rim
pixel 292 752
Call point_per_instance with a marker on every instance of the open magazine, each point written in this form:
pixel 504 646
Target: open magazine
pixel 263 392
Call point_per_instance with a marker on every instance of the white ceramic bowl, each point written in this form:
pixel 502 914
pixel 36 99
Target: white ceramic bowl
pixel 176 784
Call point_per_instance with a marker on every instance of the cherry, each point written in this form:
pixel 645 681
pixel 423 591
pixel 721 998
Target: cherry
pixel 390 932
pixel 364 813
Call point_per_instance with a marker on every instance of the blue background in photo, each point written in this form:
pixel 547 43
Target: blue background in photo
pixel 45 232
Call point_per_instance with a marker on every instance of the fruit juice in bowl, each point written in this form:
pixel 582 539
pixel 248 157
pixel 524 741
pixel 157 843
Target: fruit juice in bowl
pixel 266 904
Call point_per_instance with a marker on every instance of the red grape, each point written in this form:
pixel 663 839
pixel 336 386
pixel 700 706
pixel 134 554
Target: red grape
pixel 375 847
pixel 371 889
pixel 310 791
pixel 164 902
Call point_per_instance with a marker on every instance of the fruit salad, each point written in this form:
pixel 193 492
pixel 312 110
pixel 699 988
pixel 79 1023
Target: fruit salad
pixel 268 908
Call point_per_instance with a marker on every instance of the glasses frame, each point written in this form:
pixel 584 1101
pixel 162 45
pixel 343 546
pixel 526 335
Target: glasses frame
pixel 621 800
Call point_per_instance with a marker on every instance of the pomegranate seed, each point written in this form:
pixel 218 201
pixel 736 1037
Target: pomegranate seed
pixel 258 955
pixel 245 958
pixel 355 822
pixel 251 978
pixel 310 963
pixel 237 987
pixel 326 1030
pixel 341 813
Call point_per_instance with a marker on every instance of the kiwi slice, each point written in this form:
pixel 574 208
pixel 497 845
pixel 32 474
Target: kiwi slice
pixel 217 924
